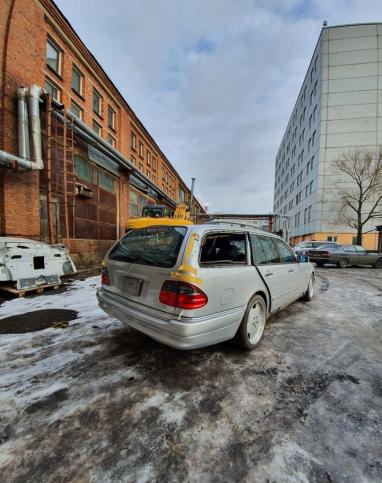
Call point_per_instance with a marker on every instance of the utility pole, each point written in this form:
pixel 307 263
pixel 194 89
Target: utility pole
pixel 192 193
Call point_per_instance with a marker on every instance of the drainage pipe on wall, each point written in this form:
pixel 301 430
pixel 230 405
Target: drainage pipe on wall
pixel 93 138
pixel 36 163
pixel 23 125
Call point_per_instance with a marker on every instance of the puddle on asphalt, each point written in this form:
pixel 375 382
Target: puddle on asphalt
pixel 37 320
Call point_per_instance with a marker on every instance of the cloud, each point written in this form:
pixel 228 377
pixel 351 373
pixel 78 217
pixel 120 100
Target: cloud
pixel 213 81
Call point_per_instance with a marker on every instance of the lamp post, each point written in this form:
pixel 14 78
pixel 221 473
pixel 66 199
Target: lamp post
pixel 192 193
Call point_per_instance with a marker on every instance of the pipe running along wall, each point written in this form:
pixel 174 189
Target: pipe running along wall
pixel 29 126
pixel 23 161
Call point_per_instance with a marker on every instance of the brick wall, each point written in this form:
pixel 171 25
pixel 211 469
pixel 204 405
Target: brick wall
pixel 25 26
pixel 86 253
pixel 21 62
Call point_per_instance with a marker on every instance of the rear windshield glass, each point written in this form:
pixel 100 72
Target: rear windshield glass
pixel 156 245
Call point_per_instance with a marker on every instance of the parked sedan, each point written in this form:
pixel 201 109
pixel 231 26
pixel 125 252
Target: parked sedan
pixel 304 246
pixel 344 256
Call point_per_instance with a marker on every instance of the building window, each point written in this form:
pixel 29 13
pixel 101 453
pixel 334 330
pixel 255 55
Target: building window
pixel 310 214
pixel 111 140
pixel 305 215
pixel 133 160
pixel 53 90
pixel 148 158
pixel 154 164
pixel 311 187
pixel 97 128
pixel 53 56
pixel 97 102
pixel 141 167
pixel 76 110
pixel 83 170
pixel 140 150
pixel 133 141
pixel 77 79
pixel 111 117
pixel 331 238
pixel 106 181
pixel 313 136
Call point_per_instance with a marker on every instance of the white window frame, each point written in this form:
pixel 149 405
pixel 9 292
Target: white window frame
pixel 48 80
pixel 111 111
pixel 81 111
pixel 81 75
pixel 50 40
pixel 96 92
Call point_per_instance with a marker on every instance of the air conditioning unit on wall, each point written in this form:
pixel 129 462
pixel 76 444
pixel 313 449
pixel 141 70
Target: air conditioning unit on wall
pixel 83 191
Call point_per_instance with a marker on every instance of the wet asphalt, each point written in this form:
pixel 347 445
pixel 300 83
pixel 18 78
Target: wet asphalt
pixel 102 402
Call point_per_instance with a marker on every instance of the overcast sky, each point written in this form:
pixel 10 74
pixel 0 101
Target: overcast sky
pixel 214 81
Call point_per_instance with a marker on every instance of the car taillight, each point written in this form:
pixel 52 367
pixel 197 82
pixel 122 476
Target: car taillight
pixel 105 280
pixel 182 295
pixel 325 254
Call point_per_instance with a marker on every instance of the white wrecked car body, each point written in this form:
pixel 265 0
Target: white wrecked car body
pixel 30 263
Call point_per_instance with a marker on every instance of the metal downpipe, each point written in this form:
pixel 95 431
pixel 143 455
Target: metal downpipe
pixel 13 161
pixel 34 94
pixel 23 125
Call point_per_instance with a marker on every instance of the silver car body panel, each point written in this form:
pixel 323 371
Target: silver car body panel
pixel 228 288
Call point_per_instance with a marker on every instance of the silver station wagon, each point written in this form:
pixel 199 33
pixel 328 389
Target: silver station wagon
pixel 197 285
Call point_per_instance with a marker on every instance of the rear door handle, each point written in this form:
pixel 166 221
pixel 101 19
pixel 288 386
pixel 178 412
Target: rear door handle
pixel 269 274
pixel 291 270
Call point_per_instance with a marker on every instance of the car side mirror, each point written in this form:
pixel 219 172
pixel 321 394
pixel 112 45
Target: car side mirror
pixel 302 258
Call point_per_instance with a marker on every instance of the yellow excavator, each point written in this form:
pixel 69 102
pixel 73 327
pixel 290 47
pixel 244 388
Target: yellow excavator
pixel 161 215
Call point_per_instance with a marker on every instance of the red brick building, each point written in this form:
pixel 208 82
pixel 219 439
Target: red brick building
pixel 99 163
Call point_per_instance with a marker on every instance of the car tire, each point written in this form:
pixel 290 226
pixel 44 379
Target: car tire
pixel 378 263
pixel 252 325
pixel 343 263
pixel 320 264
pixel 309 294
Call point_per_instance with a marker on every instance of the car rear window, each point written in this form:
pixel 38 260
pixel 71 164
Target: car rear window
pixel 223 248
pixel 156 245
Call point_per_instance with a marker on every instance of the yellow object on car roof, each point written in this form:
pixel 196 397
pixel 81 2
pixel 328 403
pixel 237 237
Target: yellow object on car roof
pixel 148 221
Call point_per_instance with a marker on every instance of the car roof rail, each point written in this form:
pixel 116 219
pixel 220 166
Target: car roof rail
pixel 237 223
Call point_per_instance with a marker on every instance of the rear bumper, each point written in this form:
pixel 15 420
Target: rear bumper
pixel 180 333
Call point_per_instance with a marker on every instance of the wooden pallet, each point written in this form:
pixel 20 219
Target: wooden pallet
pixel 23 291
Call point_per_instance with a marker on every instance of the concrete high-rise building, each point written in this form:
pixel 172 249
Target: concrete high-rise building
pixel 338 109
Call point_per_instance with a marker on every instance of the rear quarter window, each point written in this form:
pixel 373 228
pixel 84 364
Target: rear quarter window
pixel 223 249
pixel 156 245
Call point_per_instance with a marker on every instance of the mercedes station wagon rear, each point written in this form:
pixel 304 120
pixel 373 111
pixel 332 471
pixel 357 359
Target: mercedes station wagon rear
pixel 198 285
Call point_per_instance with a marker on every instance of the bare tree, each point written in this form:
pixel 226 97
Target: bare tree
pixel 361 198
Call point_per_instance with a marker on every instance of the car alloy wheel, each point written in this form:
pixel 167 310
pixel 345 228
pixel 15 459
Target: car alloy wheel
pixel 252 326
pixel 255 323
pixel 343 262
pixel 309 294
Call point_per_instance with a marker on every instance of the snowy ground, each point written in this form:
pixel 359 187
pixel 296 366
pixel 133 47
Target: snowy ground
pixel 98 402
